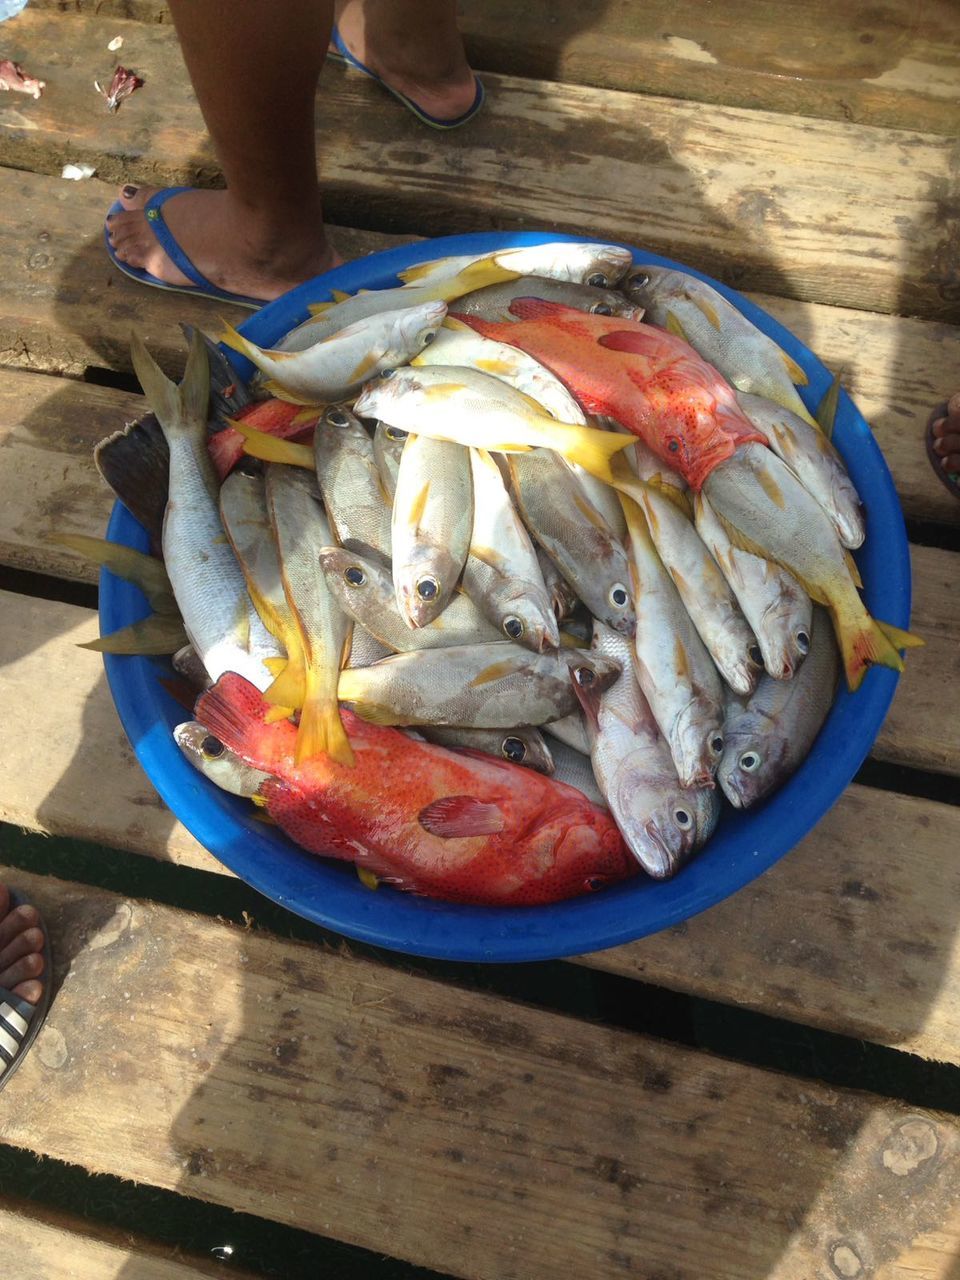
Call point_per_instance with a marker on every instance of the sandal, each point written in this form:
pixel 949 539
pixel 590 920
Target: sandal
pixel 19 1020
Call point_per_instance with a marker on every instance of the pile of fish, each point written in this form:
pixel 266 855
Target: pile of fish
pixel 537 494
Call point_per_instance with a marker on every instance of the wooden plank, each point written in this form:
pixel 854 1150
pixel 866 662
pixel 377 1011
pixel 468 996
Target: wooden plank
pixel 65 307
pixel 894 65
pixel 40 1244
pixel 837 213
pixel 874 885
pixel 451 1129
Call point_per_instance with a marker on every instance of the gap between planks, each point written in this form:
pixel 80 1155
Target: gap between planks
pixel 831 212
pixel 451 1128
pixel 855 931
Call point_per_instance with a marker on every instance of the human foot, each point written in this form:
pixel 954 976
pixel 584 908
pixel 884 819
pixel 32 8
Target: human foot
pixel 416 50
pixel 943 443
pixel 257 254
pixel 21 949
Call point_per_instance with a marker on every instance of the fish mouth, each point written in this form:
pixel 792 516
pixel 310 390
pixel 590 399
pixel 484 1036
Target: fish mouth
pixel 654 854
pixel 730 789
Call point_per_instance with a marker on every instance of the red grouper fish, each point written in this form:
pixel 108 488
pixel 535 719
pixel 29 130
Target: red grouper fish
pixel 648 380
pixel 449 824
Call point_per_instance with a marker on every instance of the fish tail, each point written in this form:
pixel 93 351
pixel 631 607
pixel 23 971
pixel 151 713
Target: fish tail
pixel 321 730
pixel 900 639
pixel 260 444
pixel 237 342
pixel 593 449
pixel 863 642
pixel 181 410
pixel 289 687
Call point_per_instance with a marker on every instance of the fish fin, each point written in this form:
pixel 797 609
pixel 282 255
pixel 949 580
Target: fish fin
pixel 794 371
pixel 495 671
pixel 593 449
pixel 144 571
pixel 455 325
pixel 259 444
pixel 827 409
pixel 673 325
pixel 852 569
pixel 160 633
pixel 898 638
pixel 625 340
pixel 862 642
pixel 366 366
pixel 275 665
pixel 283 393
pixel 160 392
pixel 475 275
pixel 289 687
pixel 339 295
pixel 233 711
pixel 318 308
pixel 419 506
pixel 707 308
pixel 534 308
pixel 367 878
pixel 679 497
pixel 459 817
pixel 135 462
pixel 278 713
pixel 773 491
pixel 373 712
pixel 321 732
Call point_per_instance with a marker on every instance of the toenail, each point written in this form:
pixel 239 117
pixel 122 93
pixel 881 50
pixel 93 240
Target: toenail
pixel 129 192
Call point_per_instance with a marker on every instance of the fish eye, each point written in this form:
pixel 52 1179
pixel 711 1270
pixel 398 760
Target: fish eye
pixel 803 642
pixel 601 309
pixel 394 433
pixel 716 744
pixel 682 819
pixel 618 595
pixel 514 749
pixel 428 336
pixel 513 627
pixel 593 883
pixel 674 446
pixel 584 676
pixel 387 373
pixel 338 418
pixel 640 280
pixel 211 748
pixel 355 576
pixel 598 280
pixel 749 761
pixel 755 655
pixel 428 588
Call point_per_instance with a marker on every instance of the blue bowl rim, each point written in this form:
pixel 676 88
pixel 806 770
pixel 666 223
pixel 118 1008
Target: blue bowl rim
pixel 745 845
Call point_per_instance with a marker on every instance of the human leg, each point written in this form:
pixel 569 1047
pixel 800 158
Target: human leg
pixel 254 69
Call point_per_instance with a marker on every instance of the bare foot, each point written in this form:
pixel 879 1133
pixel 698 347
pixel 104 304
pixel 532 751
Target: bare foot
pixel 238 249
pixel 419 52
pixel 21 949
pixel 946 437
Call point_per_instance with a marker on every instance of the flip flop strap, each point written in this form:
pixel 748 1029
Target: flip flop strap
pixel 15 1017
pixel 165 238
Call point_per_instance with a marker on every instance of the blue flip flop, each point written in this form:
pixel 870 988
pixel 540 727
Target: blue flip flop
pixel 340 53
pixel 19 1020
pixel 201 286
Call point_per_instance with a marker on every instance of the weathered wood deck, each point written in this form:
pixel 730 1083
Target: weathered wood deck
pixel 432 1115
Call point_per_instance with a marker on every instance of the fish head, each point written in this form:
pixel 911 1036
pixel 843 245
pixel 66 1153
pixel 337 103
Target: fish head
pixel 218 763
pixel 784 634
pixel 570 854
pixel 527 618
pixel 352 577
pixel 527 747
pixel 697 742
pixel 591 673
pixel 415 327
pixel 381 396
pixel 753 762
pixel 425 583
pixel 645 284
pixel 602 266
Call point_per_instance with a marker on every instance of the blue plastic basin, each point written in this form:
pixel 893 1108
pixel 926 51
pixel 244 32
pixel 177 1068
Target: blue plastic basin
pixel 744 845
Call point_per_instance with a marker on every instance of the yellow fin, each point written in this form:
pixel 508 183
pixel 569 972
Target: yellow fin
pixel 590 513
pixel 275 714
pixel 339 295
pixel 794 372
pixel 160 633
pixel 289 689
pixel 365 367
pixel 275 665
pixel 679 497
pixel 771 489
pixel 318 308
pixel 259 444
pixel 144 571
pixel 290 397
pixel 496 671
pixel 455 325
pixel 862 642
pixel 419 506
pixel 374 712
pixel 673 325
pixel 321 732
pixel 593 449
pixel 366 877
pixel 707 308
pixel 681 662
pixel 852 567
pixel 827 409
pixel 231 338
pixel 898 638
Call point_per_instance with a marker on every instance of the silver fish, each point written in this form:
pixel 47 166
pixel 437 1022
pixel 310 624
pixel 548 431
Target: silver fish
pixel 222 766
pixel 388 445
pixel 658 818
pixel 494 302
pixel 767 740
pixel 523 745
pixel 430 530
pixel 207 580
pixel 573 533
pixel 364 590
pixel 572 731
pixel 489 686
pixel 814 461
pixel 355 500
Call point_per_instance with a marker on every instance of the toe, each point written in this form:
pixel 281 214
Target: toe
pixel 15 921
pixel 22 970
pixel 31 991
pixel 4 901
pixel 944 444
pixel 27 941
pixel 134 197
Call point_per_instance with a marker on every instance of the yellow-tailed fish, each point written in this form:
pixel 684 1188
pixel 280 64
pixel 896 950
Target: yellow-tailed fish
pixel 476 409
pixel 143 570
pixel 430 530
pixel 356 502
pixel 765 509
pixel 674 670
pixel 301 530
pixel 565 523
pixel 207 580
pixel 521 745
pixel 769 738
pixel 662 822
pixel 487 686
pixel 812 458
pixel 594 263
pixel 365 591
pixel 493 302
pixel 705 592
pixel 388 445
pixel 719 332
pixel 773 601
pixel 338 366
pixel 502 573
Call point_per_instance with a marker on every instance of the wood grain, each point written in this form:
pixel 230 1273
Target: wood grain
pixel 838 213
pixel 452 1129
pixel 893 64
pixel 41 1244
pixel 855 931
